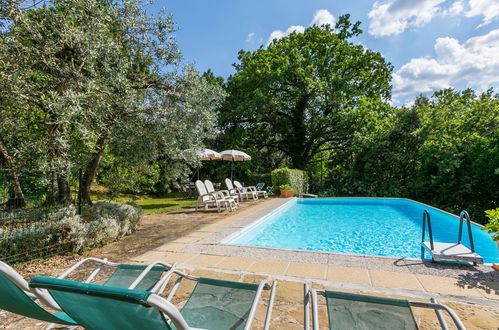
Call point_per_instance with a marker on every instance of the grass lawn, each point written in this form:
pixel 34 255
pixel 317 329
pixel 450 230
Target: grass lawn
pixel 167 204
pixel 150 204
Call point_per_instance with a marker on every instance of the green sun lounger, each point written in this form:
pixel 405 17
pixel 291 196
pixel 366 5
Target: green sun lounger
pixel 213 304
pixel 17 297
pixel 355 311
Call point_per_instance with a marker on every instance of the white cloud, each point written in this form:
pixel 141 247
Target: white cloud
pixel 278 34
pixel 454 10
pixel 474 62
pixel 251 37
pixel 489 9
pixel 392 17
pixel 321 16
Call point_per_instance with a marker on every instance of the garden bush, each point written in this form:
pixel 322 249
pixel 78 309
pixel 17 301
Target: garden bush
pixel 297 179
pixel 64 230
pixel 107 222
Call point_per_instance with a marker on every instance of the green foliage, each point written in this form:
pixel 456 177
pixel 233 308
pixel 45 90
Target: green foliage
pixel 80 80
pixel 295 97
pixel 443 151
pixel 285 187
pixel 295 179
pixel 493 225
pixel 134 178
pixel 253 179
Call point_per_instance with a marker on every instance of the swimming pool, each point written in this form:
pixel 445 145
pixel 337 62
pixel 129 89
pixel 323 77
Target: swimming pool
pixel 369 226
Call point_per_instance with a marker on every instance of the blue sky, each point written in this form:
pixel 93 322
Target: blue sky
pixel 432 44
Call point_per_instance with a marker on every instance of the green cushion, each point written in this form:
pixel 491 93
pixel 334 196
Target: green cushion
pixel 216 304
pixel 124 275
pixel 102 307
pixel 354 311
pixel 14 300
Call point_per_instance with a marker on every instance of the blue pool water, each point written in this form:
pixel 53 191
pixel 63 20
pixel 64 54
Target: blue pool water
pixel 370 226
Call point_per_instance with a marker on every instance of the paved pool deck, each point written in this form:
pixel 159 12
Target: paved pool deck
pixel 202 250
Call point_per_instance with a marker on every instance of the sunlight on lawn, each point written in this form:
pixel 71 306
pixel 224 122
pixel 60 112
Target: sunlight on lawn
pixel 159 205
pixel 150 204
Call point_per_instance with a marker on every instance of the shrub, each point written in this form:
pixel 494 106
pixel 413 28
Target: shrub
pixel 108 221
pixel 297 179
pixel 65 230
pixel 493 225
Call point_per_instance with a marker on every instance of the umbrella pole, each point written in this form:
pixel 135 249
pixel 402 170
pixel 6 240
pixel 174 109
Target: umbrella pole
pixel 198 172
pixel 231 166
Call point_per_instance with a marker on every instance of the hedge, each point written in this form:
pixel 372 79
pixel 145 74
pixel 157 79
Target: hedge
pixel 65 230
pixel 297 179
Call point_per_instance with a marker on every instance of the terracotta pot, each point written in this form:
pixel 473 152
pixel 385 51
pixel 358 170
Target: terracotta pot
pixel 287 193
pixel 496 266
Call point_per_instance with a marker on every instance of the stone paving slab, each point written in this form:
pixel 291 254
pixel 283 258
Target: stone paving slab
pixel 269 267
pixel 348 275
pixel 394 280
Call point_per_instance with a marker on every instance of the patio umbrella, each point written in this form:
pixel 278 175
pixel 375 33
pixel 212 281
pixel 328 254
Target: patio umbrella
pixel 202 154
pixel 234 156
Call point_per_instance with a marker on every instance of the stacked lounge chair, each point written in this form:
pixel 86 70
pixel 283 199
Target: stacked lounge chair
pixel 243 192
pixel 216 198
pixel 227 195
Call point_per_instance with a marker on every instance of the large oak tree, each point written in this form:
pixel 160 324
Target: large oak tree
pixel 295 95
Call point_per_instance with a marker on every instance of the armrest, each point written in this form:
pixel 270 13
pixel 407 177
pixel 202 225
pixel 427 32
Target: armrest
pixel 171 269
pixel 226 193
pixel 101 263
pixel 211 195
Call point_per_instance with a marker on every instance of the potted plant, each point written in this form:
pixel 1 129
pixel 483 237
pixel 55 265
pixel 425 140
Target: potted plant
pixel 286 191
pixel 493 228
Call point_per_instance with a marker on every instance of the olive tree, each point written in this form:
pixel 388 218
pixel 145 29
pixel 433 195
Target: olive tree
pixel 91 72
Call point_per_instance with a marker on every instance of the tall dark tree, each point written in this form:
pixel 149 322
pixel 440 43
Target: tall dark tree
pixel 295 95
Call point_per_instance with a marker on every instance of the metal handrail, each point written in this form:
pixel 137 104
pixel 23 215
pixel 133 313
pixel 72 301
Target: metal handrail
pixel 462 216
pixel 426 217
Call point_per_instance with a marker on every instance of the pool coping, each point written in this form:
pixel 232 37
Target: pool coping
pixel 213 244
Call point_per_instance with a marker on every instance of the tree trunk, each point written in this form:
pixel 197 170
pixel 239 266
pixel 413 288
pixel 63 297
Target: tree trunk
pixel 17 197
pixel 64 190
pixel 52 189
pixel 91 169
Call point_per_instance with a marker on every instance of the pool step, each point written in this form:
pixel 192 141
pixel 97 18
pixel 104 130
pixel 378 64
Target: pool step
pixel 452 251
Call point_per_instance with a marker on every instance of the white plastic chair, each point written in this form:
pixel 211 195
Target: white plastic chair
pixel 206 199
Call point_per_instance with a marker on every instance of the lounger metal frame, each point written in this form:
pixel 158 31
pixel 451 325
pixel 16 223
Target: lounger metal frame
pixel 165 306
pixel 310 298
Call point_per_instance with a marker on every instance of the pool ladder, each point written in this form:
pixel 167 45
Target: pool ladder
pixel 450 251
